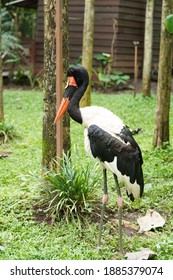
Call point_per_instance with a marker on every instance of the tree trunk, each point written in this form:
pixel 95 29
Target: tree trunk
pixel 161 128
pixel 49 130
pixel 1 78
pixel 65 54
pixel 148 42
pixel 87 49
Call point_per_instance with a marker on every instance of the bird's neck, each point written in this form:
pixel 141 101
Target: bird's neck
pixel 73 109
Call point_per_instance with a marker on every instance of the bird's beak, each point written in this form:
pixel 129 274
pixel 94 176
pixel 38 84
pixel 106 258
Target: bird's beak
pixel 69 91
pixel 62 109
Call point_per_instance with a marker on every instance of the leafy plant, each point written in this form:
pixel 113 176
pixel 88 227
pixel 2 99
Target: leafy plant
pixel 104 59
pixel 7 132
pixel 10 47
pixel 113 80
pixel 69 192
pixel 10 43
pixel 106 77
pixel 33 79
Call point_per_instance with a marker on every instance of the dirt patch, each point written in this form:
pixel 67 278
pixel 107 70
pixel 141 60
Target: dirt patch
pixel 129 223
pixel 41 216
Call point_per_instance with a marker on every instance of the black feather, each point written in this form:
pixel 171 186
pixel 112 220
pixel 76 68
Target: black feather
pixel 106 147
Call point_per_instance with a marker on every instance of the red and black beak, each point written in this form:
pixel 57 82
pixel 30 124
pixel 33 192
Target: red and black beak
pixel 69 91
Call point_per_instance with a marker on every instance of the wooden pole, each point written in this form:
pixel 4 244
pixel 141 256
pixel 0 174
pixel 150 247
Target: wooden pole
pixel 136 43
pixel 59 78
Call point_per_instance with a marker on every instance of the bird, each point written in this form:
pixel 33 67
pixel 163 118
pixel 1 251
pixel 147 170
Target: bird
pixel 107 139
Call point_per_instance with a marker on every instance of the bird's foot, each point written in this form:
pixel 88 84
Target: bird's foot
pixel 105 198
pixel 120 201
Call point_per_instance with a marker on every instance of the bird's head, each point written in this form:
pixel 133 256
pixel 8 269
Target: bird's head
pixel 77 77
pixel 80 75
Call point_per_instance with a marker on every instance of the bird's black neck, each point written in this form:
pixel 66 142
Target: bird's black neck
pixel 73 109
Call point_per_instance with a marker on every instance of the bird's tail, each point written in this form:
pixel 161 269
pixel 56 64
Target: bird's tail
pixel 136 131
pixel 135 190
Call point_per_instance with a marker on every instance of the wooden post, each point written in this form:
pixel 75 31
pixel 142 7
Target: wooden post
pixel 136 43
pixel 59 78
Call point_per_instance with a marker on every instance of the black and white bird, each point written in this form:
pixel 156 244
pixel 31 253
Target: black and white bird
pixel 106 138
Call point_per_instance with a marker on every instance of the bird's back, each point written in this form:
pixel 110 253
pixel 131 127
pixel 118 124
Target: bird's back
pixel 101 117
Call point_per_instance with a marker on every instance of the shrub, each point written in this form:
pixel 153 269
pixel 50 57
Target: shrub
pixel 106 77
pixel 7 132
pixel 69 193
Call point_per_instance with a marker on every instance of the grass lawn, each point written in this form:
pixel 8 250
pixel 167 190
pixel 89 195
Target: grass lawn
pixel 24 235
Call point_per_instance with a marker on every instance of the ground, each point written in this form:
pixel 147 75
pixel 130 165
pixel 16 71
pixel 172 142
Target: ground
pixel 28 232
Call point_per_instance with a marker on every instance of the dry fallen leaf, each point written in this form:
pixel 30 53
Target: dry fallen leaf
pixel 144 254
pixel 151 220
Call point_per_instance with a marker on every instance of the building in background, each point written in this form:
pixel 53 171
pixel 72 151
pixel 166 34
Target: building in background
pixel 130 20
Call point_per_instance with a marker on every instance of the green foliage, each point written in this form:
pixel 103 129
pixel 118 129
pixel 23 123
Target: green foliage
pixel 7 132
pixel 169 23
pixel 34 79
pixel 110 80
pixel 69 192
pixel 19 20
pixel 23 73
pixel 106 77
pixel 10 43
pixel 10 47
pixel 104 58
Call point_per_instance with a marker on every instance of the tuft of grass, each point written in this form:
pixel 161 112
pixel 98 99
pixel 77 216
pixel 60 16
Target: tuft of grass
pixel 7 132
pixel 69 193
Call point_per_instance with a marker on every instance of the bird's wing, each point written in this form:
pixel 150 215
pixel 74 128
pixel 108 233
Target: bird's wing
pixel 106 147
pixel 126 136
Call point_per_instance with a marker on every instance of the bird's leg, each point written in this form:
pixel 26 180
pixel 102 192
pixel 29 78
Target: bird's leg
pixel 120 205
pixel 104 201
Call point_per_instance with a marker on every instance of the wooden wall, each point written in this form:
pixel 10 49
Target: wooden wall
pixel 130 16
pixel 130 29
pixel 156 30
pixel 105 11
pixel 39 52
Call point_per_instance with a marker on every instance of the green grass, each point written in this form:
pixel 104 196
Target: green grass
pixel 27 233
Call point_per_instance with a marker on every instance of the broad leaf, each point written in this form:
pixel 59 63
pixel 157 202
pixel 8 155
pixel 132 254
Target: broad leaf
pixel 143 254
pixel 151 220
pixel 169 23
pixel 104 78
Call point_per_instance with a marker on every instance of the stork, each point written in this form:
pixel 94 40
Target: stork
pixel 107 139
